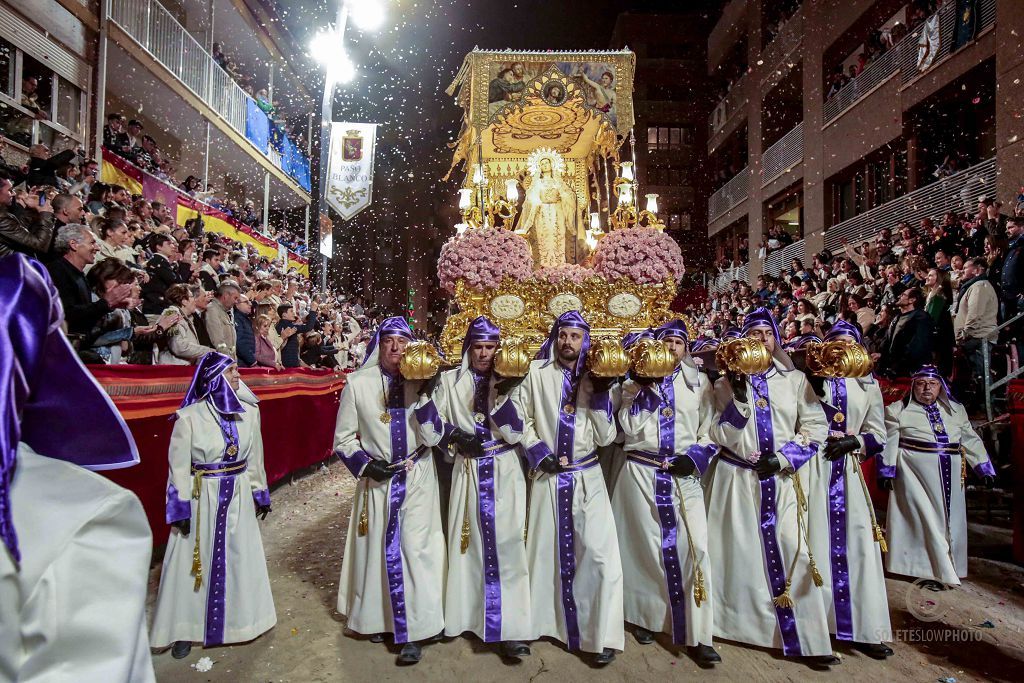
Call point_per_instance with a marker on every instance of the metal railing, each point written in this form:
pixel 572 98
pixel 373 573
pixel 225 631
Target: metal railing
pixel 785 41
pixel 781 157
pixel 986 358
pixel 778 260
pixel 958 192
pixel 904 58
pixel 736 99
pixel 720 282
pixel 729 195
pixel 160 34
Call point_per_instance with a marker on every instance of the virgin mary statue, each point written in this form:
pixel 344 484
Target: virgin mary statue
pixel 548 208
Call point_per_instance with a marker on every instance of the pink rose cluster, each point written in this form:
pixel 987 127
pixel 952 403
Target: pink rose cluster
pixel 483 257
pixel 566 272
pixel 644 255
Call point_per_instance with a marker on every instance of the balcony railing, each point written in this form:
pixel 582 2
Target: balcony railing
pixel 778 260
pixel 160 34
pixel 958 192
pixel 720 283
pixel 904 58
pixel 783 155
pixel 730 104
pixel 729 195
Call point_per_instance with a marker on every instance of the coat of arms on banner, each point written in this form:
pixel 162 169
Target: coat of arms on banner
pixel 352 146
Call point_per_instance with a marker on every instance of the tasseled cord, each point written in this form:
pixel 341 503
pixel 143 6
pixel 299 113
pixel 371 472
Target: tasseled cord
pixel 464 542
pixel 876 529
pixel 364 514
pixel 197 562
pixel 801 512
pixel 699 592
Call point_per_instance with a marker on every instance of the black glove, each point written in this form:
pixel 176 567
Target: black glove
pixel 378 471
pixel 643 381
pixel 601 384
pixel 506 384
pixel 467 443
pixel 262 511
pixel 184 526
pixel 988 480
pixel 885 483
pixel 428 385
pixel 837 448
pixel 550 465
pixel 682 467
pixel 768 466
pixel 817 383
pixel 739 385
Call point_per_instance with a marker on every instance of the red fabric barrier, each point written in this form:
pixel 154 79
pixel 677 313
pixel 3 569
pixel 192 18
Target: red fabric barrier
pixel 1016 408
pixel 298 410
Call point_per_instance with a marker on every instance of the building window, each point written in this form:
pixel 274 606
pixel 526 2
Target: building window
pixel 661 138
pixel 37 105
pixel 7 67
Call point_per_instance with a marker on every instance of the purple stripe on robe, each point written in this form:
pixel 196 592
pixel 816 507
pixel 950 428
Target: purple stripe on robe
pixel 646 400
pixel 177 509
pixel 985 469
pixel 507 417
pixel 667 424
pixel 666 509
pixel 487 513
pixel 427 415
pixel 566 436
pixel 841 597
pixel 945 461
pixel 396 497
pixel 732 416
pixel 796 454
pixel 883 471
pixel 355 462
pixel 872 446
pixel 261 497
pixel 217 577
pixel 701 456
pixel 567 557
pixel 774 564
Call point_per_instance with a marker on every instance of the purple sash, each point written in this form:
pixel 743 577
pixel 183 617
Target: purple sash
pixel 769 540
pixel 566 527
pixel 837 523
pixel 215 595
pixel 486 509
pixel 663 486
pixel 396 496
pixel 945 464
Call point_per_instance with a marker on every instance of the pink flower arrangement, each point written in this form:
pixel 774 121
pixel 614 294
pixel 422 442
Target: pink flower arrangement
pixel 483 258
pixel 644 255
pixel 567 272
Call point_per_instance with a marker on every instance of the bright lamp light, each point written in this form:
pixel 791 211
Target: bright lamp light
pixel 652 203
pixel 626 170
pixel 465 198
pixel 367 14
pixel 511 190
pixel 595 221
pixel 325 47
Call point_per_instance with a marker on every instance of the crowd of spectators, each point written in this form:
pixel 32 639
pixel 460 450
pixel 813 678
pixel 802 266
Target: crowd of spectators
pixel 934 292
pixel 138 288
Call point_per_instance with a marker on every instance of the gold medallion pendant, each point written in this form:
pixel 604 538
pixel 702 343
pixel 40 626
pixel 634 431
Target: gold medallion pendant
pixel 385 417
pixel 939 429
pixel 232 450
pixel 838 418
pixel 479 418
pixel 761 403
pixel 667 412
pixel 568 409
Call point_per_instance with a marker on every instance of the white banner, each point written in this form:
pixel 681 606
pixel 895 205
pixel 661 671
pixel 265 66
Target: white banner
pixel 349 187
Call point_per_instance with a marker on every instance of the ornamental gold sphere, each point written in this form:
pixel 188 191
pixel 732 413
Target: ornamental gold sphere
pixel 746 356
pixel 420 360
pixel 512 358
pixel 652 358
pixel 835 359
pixel 607 358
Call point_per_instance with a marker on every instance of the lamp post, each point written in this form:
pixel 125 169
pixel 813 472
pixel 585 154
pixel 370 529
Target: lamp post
pixel 328 48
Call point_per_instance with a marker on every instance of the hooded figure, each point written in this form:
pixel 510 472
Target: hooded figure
pixel 488 590
pixel 843 530
pixel 658 502
pixel 216 488
pixel 769 426
pixel 74 547
pixel 561 416
pixel 393 571
pixel 930 443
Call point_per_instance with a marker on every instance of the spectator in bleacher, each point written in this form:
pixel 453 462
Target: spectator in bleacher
pixel 996 248
pixel 1011 286
pixel 162 274
pixel 266 352
pixel 908 344
pixel 976 317
pixel 115 242
pixel 183 345
pixel 864 315
pixel 99 197
pixel 43 166
pixel 245 333
pixel 77 246
pixel 219 320
pixel 25 226
pixel 192 185
pixel 114 136
pixel 994 220
pixel 202 299
pixel 66 209
pixel 208 271
pixel 289 329
pixel 145 154
pixel 939 298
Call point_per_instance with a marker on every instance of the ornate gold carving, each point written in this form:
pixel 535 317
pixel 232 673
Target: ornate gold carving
pixel 747 356
pixel 652 358
pixel 513 358
pixel 607 358
pixel 420 360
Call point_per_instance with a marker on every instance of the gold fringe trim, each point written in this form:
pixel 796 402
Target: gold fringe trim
pixel 815 574
pixel 784 600
pixel 880 537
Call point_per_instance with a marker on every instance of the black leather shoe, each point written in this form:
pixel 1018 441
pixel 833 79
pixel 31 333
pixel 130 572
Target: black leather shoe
pixel 181 648
pixel 643 636
pixel 874 650
pixel 377 638
pixel 821 661
pixel 704 654
pixel 411 654
pixel 933 585
pixel 515 649
pixel 606 657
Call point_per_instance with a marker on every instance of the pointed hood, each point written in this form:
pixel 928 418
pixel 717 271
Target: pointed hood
pixel 209 382
pixel 568 320
pixel 761 318
pixel 396 326
pixel 480 330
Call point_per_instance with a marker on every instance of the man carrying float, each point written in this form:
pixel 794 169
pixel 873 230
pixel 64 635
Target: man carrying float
pixel 930 442
pixel 560 415
pixel 488 590
pixel 844 533
pixel 769 424
pixel 658 501
pixel 393 571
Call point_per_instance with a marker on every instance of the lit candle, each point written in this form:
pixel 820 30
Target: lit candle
pixel 652 203
pixel 512 190
pixel 465 198
pixel 626 170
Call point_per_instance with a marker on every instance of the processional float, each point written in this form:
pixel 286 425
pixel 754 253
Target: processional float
pixel 549 201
